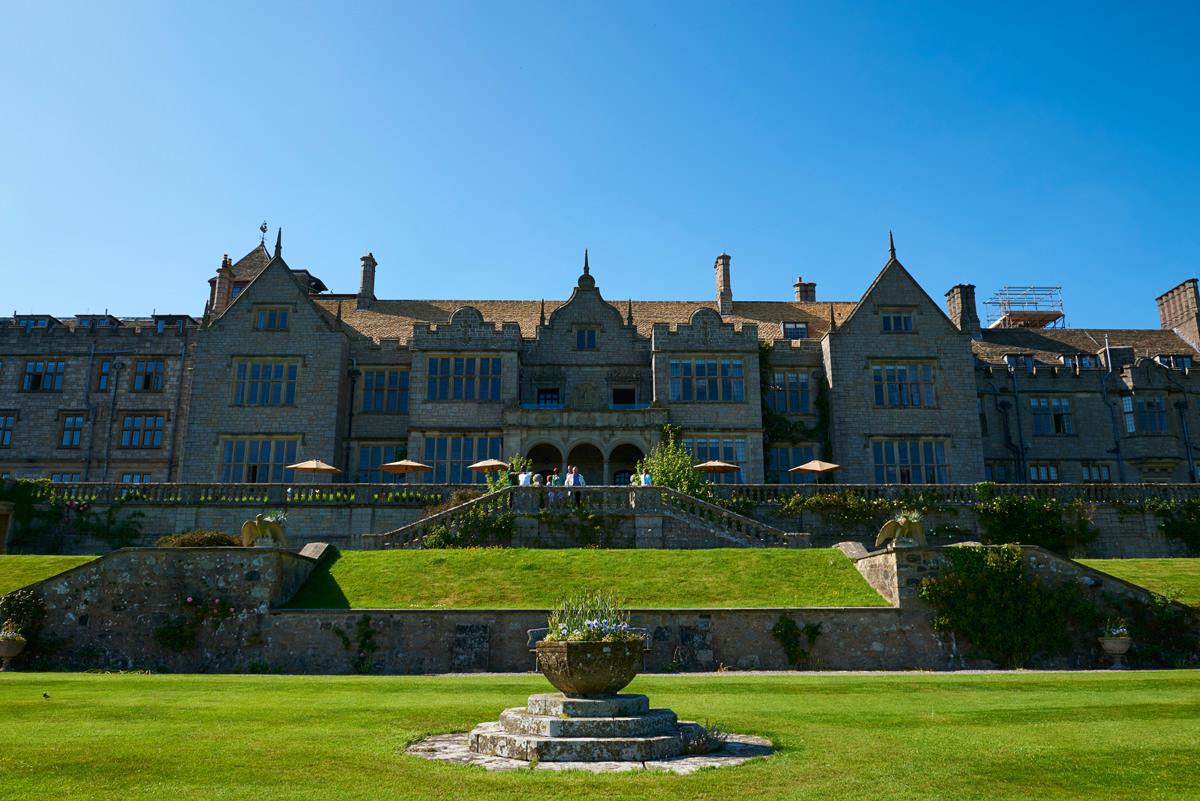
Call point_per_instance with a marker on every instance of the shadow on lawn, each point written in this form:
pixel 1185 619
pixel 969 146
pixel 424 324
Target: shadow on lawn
pixel 321 591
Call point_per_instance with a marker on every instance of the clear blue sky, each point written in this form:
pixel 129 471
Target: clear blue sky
pixel 478 148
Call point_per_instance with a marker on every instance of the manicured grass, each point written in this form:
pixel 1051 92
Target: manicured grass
pixel 19 570
pixel 515 578
pixel 916 737
pixel 1160 575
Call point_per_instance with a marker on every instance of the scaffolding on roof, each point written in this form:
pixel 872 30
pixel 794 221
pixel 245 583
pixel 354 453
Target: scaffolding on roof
pixel 1026 307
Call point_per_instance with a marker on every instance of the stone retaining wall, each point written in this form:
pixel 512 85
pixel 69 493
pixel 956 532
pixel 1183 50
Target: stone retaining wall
pixel 107 613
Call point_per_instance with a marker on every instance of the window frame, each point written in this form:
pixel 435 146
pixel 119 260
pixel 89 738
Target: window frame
pixel 54 367
pixel 150 373
pixel 70 430
pixel 723 377
pixel 460 378
pixel 891 390
pixel 133 437
pixel 392 397
pixel 243 378
pixel 800 325
pixel 898 319
pixel 272 318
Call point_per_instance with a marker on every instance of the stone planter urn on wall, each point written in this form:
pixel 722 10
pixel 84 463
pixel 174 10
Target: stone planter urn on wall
pixel 1116 647
pixel 11 647
pixel 590 667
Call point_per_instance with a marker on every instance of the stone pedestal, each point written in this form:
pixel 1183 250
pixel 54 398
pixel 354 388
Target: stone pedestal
pixel 556 728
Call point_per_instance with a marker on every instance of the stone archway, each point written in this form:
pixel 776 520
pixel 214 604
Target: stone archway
pixel 622 462
pixel 590 461
pixel 545 458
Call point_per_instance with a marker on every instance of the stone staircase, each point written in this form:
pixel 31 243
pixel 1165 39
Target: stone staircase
pixel 653 512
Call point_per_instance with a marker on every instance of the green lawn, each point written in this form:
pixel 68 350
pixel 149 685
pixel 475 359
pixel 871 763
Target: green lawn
pixel 18 570
pixel 515 578
pixel 917 737
pixel 1160 575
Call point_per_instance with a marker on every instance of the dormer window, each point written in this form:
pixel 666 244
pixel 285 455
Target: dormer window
pixel 33 323
pixel 1019 360
pixel 1086 361
pixel 897 321
pixel 795 330
pixel 585 338
pixel 1176 361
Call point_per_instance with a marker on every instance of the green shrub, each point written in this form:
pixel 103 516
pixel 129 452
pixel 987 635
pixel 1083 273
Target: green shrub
pixel 1179 520
pixel 1047 522
pixel 477 527
pixel 197 539
pixel 23 611
pixel 984 595
pixel 456 498
pixel 797 641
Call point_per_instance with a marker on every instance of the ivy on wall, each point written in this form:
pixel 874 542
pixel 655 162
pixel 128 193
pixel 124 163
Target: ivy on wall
pixel 780 429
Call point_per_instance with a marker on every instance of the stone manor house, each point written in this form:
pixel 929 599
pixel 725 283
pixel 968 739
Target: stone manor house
pixel 892 386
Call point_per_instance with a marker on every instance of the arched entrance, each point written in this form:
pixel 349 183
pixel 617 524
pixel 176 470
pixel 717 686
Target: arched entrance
pixel 622 462
pixel 545 458
pixel 590 461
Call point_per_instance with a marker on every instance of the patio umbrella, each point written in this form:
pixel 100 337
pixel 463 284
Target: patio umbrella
pixel 404 466
pixel 488 466
pixel 716 466
pixel 314 466
pixel 815 466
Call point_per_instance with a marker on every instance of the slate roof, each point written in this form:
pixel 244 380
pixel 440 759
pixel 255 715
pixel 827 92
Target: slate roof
pixel 393 319
pixel 1049 344
pixel 247 268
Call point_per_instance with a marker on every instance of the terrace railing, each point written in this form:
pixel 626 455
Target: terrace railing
pixel 421 495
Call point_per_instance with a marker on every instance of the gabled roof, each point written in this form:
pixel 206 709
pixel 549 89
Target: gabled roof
pixel 1048 345
pixel 393 319
pixel 247 268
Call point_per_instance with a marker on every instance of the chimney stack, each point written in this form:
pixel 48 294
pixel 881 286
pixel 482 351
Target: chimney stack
pixel 806 291
pixel 960 306
pixel 1178 310
pixel 724 289
pixel 366 286
pixel 223 294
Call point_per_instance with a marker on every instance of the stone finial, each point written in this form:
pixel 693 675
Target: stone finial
pixel 586 270
pixel 891 246
pixel 279 243
pixel 542 319
pixel 629 312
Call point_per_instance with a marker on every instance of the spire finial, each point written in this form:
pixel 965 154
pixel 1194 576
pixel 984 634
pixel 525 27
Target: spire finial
pixel 629 312
pixel 279 242
pixel 262 240
pixel 586 271
pixel 891 245
pixel 543 311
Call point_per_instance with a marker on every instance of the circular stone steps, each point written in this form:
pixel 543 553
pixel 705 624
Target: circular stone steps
pixel 555 728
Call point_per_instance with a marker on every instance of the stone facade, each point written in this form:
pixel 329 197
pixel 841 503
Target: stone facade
pixel 890 386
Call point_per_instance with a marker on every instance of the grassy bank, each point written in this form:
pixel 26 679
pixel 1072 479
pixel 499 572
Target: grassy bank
pixel 1164 576
pixel 840 738
pixel 507 578
pixel 18 570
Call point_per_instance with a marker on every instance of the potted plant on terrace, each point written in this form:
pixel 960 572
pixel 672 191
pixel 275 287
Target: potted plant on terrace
pixel 589 647
pixel 1115 641
pixel 11 644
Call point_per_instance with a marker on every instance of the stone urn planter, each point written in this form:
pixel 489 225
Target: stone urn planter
pixel 1116 647
pixel 590 667
pixel 10 649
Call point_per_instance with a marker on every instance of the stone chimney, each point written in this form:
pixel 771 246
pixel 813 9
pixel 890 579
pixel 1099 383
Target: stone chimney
pixel 224 289
pixel 724 289
pixel 366 286
pixel 960 306
pixel 806 291
pixel 1178 310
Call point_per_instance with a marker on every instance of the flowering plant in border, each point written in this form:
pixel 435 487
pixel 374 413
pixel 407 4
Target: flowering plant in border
pixel 589 616
pixel 1116 628
pixel 9 632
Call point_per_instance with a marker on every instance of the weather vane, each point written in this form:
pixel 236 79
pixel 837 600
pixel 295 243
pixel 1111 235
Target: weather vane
pixel 263 229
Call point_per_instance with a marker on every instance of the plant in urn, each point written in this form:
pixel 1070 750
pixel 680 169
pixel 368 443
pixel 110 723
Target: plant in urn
pixel 590 648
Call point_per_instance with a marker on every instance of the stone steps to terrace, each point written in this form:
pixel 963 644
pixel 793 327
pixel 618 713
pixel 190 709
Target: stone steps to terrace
pixel 652 517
